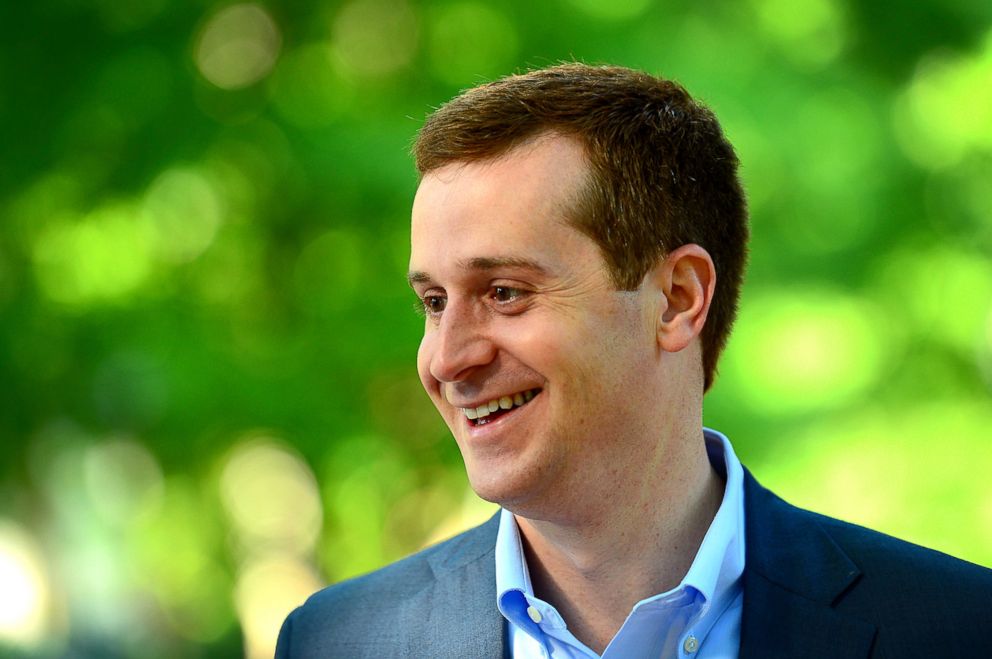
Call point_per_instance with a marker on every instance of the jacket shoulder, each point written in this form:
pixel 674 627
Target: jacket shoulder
pixel 406 577
pixel 903 569
pixel 812 582
pixel 922 602
pixel 352 617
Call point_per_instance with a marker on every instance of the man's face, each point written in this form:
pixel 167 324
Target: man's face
pixel 520 309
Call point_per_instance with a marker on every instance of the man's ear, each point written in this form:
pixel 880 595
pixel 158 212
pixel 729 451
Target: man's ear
pixel 687 279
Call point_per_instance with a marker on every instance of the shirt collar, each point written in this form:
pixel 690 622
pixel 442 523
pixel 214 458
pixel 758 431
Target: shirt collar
pixel 718 564
pixel 513 584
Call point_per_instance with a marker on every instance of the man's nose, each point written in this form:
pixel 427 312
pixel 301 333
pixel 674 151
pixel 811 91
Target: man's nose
pixel 461 345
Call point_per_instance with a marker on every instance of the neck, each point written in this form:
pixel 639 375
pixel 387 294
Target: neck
pixel 635 538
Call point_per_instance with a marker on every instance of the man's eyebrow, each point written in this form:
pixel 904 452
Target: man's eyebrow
pixel 494 262
pixel 417 277
pixel 483 263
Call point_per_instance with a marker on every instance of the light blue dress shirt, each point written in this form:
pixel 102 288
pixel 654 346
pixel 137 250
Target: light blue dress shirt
pixel 698 619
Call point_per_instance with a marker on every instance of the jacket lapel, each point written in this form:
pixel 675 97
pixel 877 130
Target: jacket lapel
pixel 461 615
pixel 794 573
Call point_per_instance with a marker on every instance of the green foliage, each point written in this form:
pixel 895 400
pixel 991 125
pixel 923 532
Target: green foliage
pixel 202 298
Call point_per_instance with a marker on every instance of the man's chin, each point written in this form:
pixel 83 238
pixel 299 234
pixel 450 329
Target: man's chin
pixel 487 489
pixel 489 485
pixel 509 491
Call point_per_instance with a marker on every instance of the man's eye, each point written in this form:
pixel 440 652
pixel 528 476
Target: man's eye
pixel 434 304
pixel 506 293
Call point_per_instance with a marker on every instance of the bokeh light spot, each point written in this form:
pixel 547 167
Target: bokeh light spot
pixel 184 212
pixel 24 595
pixel 238 46
pixel 946 110
pixel 123 479
pixel 469 42
pixel 374 37
pixel 267 590
pixel 944 291
pixel 271 497
pixel 102 257
pixel 794 352
pixel 810 32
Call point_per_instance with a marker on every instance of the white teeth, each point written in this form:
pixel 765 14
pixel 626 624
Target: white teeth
pixel 501 403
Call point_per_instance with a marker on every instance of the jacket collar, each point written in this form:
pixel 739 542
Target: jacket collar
pixel 794 574
pixel 461 619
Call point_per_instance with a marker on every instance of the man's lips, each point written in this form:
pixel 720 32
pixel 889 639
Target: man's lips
pixel 490 410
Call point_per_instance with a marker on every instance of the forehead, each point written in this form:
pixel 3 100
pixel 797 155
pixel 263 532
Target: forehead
pixel 515 207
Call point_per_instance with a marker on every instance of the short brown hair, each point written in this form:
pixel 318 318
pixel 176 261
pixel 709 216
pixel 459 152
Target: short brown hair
pixel 662 174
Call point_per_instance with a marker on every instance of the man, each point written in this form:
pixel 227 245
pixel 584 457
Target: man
pixel 578 242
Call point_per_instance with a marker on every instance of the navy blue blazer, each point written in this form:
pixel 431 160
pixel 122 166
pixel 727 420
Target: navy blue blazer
pixel 814 587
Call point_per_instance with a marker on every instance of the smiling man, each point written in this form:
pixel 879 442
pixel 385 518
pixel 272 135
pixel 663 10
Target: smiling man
pixel 578 242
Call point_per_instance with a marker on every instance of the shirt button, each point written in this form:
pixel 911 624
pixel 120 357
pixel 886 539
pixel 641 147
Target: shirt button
pixel 690 645
pixel 534 614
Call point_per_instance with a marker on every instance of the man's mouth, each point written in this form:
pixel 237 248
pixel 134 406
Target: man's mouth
pixel 483 414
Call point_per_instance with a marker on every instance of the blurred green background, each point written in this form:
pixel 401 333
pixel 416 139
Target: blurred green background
pixel 209 402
